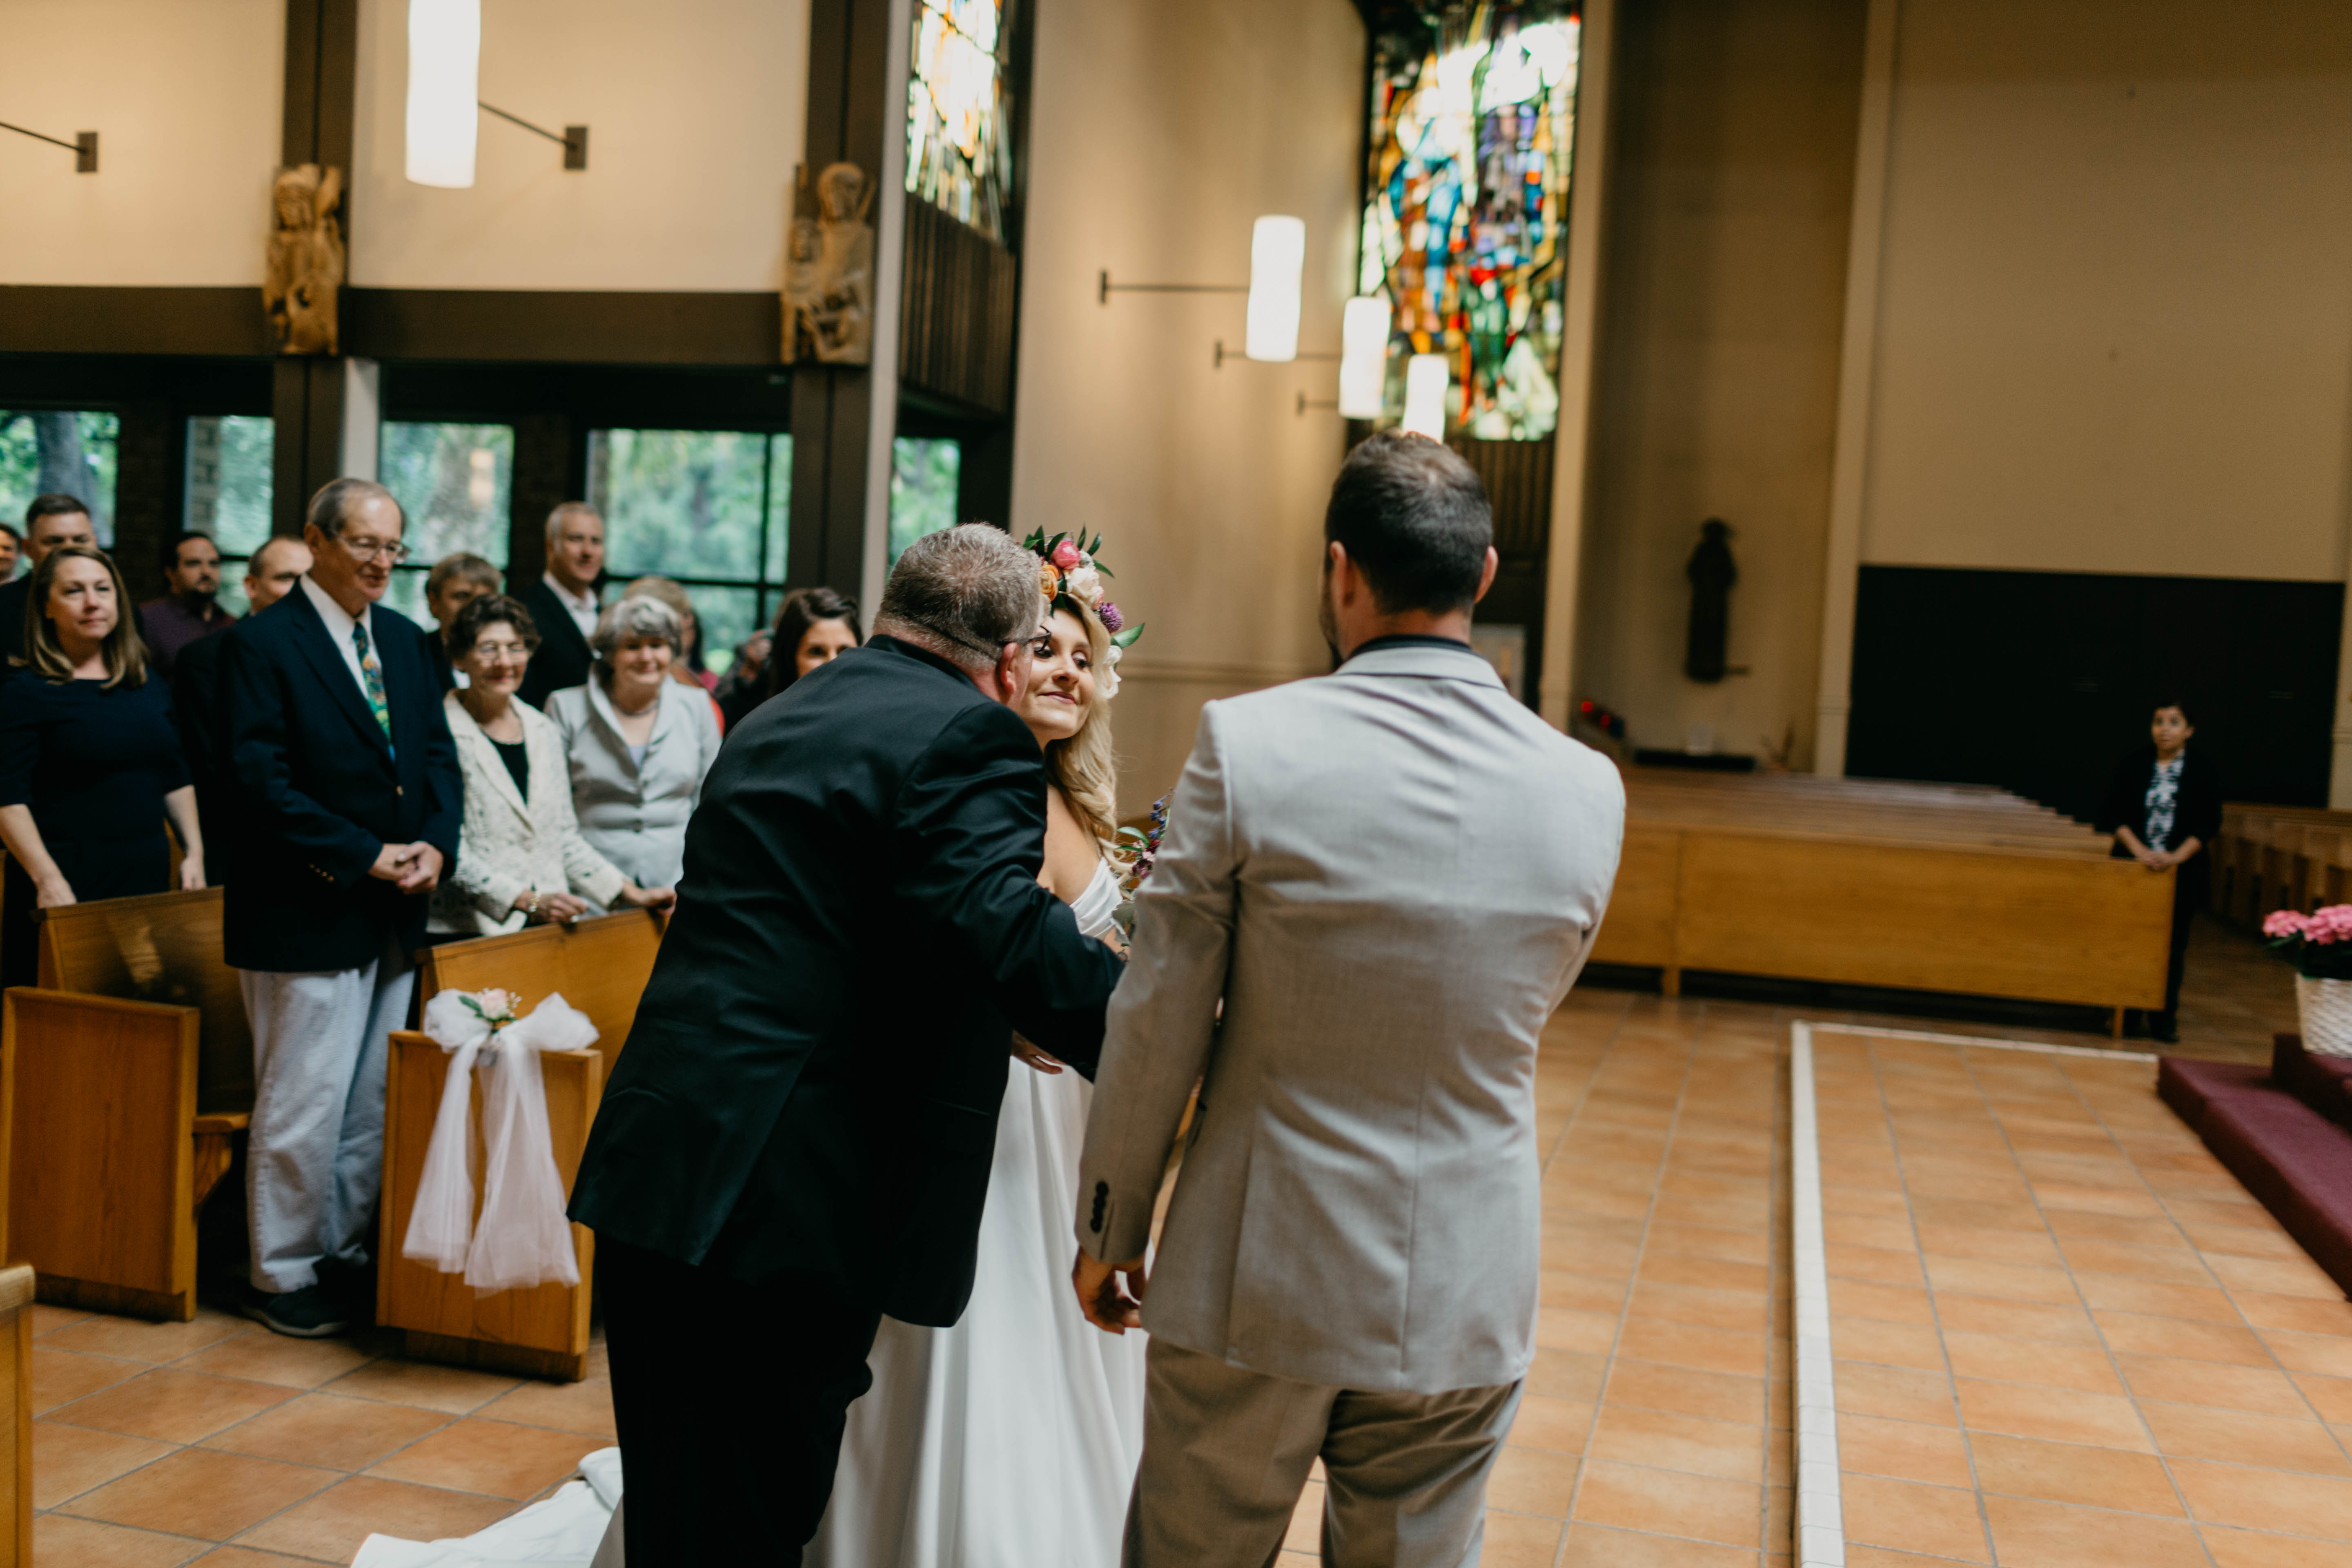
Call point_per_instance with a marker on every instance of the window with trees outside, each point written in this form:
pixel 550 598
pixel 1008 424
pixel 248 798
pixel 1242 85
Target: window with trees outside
pixel 227 493
pixel 707 508
pixel 455 483
pixel 923 476
pixel 59 449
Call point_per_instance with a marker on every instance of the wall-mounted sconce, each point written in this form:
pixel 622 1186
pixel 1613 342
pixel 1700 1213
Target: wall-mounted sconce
pixel 1426 379
pixel 84 146
pixel 1364 357
pixel 445 108
pixel 1277 267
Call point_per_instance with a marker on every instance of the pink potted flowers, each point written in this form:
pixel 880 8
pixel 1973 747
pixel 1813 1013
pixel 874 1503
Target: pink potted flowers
pixel 2320 946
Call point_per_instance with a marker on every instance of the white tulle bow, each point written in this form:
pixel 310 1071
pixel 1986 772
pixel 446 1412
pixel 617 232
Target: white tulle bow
pixel 522 1237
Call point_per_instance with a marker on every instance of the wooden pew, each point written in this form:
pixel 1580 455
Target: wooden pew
pixel 1854 881
pixel 599 966
pixel 132 1069
pixel 16 1426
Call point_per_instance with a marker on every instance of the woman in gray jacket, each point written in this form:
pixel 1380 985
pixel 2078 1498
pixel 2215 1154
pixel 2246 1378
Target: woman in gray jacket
pixel 639 742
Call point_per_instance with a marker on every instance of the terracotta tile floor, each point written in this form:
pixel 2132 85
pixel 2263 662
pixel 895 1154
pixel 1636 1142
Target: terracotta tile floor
pixel 217 1441
pixel 2064 1335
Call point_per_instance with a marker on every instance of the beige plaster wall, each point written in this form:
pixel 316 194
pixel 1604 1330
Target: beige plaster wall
pixel 186 100
pixel 2114 320
pixel 1160 134
pixel 696 114
pixel 1721 297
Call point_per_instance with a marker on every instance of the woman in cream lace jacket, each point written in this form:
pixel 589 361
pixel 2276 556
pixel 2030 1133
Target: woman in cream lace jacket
pixel 520 857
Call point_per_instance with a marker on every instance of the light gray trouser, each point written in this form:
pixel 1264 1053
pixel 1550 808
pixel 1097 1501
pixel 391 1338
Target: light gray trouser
pixel 314 1158
pixel 1226 1451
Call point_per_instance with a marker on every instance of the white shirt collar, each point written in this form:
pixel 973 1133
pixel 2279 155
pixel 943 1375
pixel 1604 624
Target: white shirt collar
pixel 579 601
pixel 339 620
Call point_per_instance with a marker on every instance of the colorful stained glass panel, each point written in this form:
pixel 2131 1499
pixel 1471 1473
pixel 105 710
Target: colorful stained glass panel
pixel 958 146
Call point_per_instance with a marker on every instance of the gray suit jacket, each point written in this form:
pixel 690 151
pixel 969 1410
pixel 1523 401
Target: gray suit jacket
pixel 1391 875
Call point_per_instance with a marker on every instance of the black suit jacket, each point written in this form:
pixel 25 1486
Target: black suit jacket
pixel 561 660
pixel 436 656
pixel 320 793
pixel 2196 806
pixel 204 739
pixel 12 596
pixel 814 1078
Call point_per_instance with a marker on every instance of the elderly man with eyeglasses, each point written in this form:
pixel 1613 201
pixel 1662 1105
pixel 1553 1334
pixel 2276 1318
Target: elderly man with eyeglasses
pixel 350 802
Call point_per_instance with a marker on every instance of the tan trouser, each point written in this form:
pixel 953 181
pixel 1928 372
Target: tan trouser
pixel 1226 1453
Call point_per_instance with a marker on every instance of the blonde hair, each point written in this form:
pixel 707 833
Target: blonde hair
pixel 125 655
pixel 1084 766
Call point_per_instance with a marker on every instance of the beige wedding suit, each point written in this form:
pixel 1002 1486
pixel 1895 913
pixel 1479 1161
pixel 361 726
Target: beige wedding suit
pixel 1390 875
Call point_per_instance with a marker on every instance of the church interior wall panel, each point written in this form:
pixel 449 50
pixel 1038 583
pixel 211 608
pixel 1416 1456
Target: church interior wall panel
pixel 695 110
pixel 2041 682
pixel 1158 134
pixel 2112 321
pixel 1722 294
pixel 185 99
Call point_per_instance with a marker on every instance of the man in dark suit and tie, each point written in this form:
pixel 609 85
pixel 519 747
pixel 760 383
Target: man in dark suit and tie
pixel 563 602
pixel 349 804
pixel 798 1137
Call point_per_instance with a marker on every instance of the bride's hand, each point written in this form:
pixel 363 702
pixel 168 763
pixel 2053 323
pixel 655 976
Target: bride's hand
pixel 1037 1059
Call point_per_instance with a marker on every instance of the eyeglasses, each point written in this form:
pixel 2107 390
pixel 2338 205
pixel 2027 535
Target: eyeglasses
pixel 395 551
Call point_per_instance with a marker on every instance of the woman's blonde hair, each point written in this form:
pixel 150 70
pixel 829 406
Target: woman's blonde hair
pixel 125 655
pixel 1084 765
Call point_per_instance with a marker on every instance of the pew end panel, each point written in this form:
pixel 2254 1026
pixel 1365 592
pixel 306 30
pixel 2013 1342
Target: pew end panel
pixel 600 965
pixel 160 947
pixel 1639 927
pixel 542 1332
pixel 103 1149
pixel 16 1289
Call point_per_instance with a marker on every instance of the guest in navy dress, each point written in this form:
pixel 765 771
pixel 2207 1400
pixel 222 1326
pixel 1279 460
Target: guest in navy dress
pixel 91 762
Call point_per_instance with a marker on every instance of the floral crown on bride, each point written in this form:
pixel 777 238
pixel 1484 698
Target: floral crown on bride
pixel 1070 578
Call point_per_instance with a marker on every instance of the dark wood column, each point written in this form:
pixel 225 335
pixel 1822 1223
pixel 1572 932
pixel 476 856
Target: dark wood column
pixel 833 413
pixel 307 396
pixel 149 454
pixel 542 481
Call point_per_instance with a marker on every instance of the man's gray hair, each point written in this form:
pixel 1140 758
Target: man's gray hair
pixel 965 592
pixel 332 507
pixel 634 617
pixel 555 519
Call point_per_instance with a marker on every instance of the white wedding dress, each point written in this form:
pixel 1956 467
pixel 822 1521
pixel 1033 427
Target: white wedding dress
pixel 1011 1439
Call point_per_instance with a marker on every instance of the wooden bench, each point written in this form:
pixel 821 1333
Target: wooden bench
pixel 16 1427
pixel 599 966
pixel 2270 858
pixel 1854 881
pixel 132 1069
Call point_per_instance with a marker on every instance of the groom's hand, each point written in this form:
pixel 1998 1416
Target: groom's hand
pixel 1106 1306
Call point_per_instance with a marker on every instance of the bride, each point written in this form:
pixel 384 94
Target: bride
pixel 1011 1439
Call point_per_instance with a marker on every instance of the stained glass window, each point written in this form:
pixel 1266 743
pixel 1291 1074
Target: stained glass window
pixel 959 151
pixel 1466 220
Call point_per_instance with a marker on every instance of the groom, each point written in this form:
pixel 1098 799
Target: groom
pixel 798 1136
pixel 1390 876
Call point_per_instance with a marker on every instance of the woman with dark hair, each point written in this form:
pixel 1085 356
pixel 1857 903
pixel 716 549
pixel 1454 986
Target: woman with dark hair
pixel 521 858
pixel 2164 806
pixel 814 627
pixel 91 762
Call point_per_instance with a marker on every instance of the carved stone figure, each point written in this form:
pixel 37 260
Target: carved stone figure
pixel 828 293
pixel 305 269
pixel 1712 573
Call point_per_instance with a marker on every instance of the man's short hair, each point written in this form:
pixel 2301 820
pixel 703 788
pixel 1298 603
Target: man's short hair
pixel 970 587
pixel 563 510
pixel 1415 522
pixel 257 563
pixel 332 507
pixel 464 566
pixel 14 534
pixel 171 546
pixel 56 503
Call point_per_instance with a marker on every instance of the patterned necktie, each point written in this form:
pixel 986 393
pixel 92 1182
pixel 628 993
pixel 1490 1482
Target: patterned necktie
pixel 372 677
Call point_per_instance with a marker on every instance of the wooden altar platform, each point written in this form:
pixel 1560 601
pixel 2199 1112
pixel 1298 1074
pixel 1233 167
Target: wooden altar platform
pixel 1952 887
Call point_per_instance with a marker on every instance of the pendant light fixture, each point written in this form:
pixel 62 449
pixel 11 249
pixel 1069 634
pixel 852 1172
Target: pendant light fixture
pixel 1364 357
pixel 1278 269
pixel 1427 378
pixel 445 56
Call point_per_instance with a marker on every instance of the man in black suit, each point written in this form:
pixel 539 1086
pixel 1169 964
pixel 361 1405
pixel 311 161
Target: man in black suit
pixel 269 576
pixel 563 602
pixel 349 801
pixel 798 1137
pixel 52 521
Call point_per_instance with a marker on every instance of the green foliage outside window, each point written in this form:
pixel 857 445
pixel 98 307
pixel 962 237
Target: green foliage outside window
pixel 707 507
pixel 59 450
pixel 455 483
pixel 923 476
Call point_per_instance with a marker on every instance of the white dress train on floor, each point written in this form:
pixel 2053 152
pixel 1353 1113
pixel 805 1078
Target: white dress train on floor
pixel 1011 1439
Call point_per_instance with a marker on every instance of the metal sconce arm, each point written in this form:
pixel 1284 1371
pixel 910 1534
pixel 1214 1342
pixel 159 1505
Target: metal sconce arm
pixel 84 146
pixel 1106 289
pixel 1224 354
pixel 574 140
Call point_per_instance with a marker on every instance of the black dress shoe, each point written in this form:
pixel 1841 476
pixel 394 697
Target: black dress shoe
pixel 304 1314
pixel 2163 1032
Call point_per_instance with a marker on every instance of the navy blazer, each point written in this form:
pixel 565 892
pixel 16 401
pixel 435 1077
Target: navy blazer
pixel 321 792
pixel 812 1081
